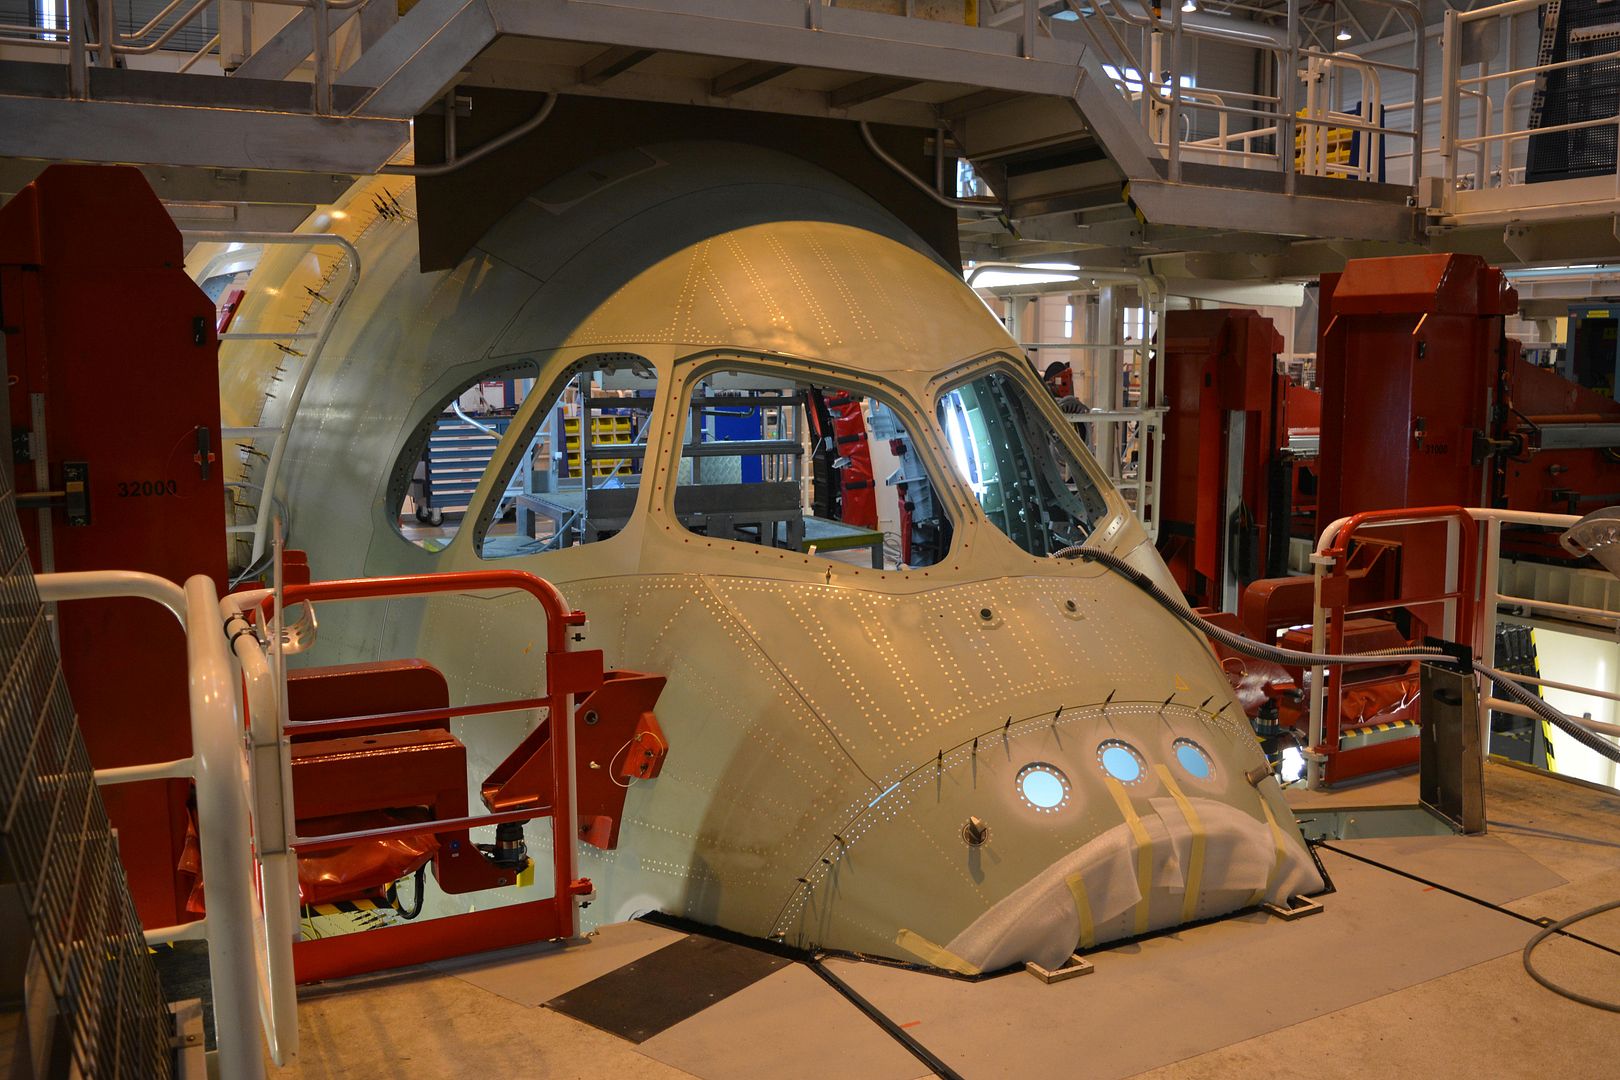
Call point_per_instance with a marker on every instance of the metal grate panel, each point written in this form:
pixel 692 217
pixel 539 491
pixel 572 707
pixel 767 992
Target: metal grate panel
pixel 1575 30
pixel 59 846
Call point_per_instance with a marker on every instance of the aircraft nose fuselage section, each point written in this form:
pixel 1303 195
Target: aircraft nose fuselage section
pixel 969 755
pixel 883 769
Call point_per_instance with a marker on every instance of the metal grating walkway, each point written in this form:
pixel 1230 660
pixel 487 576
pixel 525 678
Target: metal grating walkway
pixel 57 845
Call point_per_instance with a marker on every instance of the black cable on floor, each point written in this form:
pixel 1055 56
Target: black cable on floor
pixel 1539 923
pixel 882 1020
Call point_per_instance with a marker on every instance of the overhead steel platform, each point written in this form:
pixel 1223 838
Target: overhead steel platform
pixel 1076 157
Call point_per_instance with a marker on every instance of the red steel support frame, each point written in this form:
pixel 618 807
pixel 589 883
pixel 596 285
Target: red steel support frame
pixel 567 674
pixel 1334 598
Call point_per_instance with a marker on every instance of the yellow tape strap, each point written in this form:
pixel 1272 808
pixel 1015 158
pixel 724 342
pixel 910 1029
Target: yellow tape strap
pixel 1082 908
pixel 1279 851
pixel 941 957
pixel 1195 861
pixel 1144 849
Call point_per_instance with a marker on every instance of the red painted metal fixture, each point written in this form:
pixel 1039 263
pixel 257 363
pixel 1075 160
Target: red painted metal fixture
pixel 380 789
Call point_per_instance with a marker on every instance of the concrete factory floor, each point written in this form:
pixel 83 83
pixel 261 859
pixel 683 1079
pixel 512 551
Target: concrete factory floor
pixel 1413 969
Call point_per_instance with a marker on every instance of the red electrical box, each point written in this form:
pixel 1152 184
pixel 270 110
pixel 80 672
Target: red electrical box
pixel 114 399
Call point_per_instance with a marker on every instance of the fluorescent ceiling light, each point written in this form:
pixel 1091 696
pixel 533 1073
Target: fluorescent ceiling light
pixel 1025 274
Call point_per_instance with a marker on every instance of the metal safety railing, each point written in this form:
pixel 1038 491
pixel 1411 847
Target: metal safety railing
pixel 284 343
pixel 1145 50
pixel 1126 421
pixel 1487 41
pixel 567 673
pixel 238 968
pixel 1328 762
pixel 97 40
pixel 241 766
pixel 1472 605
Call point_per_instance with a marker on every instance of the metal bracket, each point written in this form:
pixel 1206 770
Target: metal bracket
pixel 1074 967
pixel 298 636
pixel 1295 907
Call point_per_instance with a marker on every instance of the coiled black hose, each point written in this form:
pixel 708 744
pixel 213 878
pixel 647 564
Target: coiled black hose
pixel 1176 606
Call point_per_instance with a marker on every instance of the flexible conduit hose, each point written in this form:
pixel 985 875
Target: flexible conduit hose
pixel 1564 991
pixel 1238 643
pixel 1570 726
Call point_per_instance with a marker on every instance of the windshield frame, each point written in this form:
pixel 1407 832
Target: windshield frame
pixel 956 500
pixel 1022 374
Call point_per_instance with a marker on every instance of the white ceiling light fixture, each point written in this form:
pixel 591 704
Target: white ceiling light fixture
pixel 1190 5
pixel 1344 31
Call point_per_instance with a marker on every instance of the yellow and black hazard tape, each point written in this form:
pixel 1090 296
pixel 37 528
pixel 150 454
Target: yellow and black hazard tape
pixel 1368 729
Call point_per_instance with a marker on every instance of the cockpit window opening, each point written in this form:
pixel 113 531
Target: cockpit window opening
pixel 440 466
pixel 793 461
pixel 578 477
pixel 1026 475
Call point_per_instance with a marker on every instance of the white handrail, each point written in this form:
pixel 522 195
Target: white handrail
pixel 223 820
pixel 103 584
pixel 271 781
pixel 224 828
pixel 1488 599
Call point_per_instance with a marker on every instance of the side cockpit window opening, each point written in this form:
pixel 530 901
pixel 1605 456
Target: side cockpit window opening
pixel 578 476
pixel 1027 479
pixel 774 459
pixel 447 455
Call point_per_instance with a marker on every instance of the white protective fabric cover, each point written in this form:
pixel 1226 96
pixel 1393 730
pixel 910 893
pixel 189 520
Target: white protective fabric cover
pixel 1039 921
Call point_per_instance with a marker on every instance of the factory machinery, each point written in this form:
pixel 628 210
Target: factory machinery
pixel 117 465
pixel 116 453
pixel 1420 401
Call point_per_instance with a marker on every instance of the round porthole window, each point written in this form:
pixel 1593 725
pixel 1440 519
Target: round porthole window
pixel 1043 786
pixel 1194 759
pixel 1121 761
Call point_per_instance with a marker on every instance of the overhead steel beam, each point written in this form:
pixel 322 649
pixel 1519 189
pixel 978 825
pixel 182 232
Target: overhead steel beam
pixel 290 46
pixel 436 41
pixel 870 88
pixel 774 31
pixel 425 53
pixel 746 77
pixel 516 72
pixel 60 129
pixel 979 99
pixel 1273 213
pixel 604 65
pixel 196 185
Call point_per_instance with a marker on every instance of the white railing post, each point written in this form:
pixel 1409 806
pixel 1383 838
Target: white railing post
pixel 224 827
pixel 322 30
pixel 1314 763
pixel 1174 133
pixel 1450 72
pixel 1289 93
pixel 78 49
pixel 106 33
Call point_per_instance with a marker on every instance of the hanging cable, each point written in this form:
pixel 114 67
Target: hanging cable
pixel 392 896
pixel 1570 726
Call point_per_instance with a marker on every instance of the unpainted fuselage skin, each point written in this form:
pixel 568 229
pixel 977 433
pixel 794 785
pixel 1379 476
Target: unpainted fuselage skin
pixel 831 727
